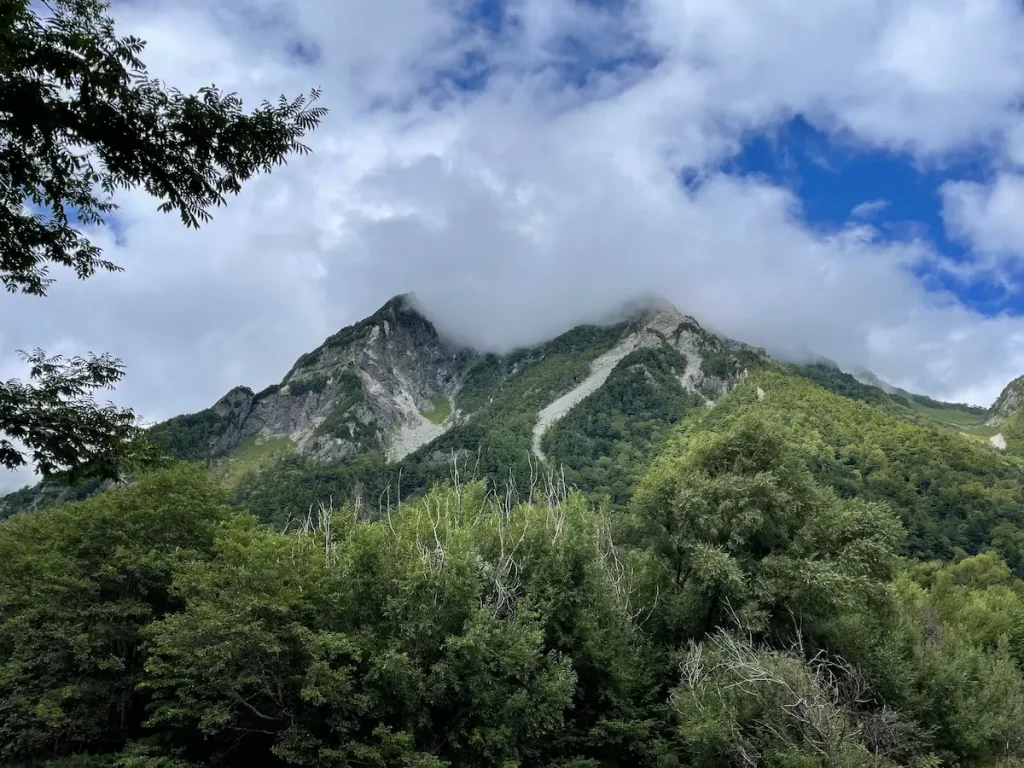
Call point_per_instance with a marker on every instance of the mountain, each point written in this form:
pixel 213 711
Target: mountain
pixel 390 390
pixel 388 407
pixel 389 394
pixel 864 376
pixel 385 383
pixel 390 383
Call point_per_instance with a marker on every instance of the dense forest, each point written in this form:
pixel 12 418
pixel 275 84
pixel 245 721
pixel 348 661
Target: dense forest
pixel 797 578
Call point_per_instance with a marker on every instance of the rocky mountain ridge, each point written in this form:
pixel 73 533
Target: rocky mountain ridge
pixel 392 383
pixel 389 398
pixel 368 386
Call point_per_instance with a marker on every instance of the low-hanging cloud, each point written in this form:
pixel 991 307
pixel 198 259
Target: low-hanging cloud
pixel 550 193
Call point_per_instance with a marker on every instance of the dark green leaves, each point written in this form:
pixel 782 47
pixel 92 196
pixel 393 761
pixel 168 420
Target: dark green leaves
pixel 81 118
pixel 77 585
pixel 746 535
pixel 62 428
pixel 155 626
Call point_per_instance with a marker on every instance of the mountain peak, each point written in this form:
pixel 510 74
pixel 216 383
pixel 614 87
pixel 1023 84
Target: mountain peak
pixel 639 307
pixel 1009 402
pixel 399 303
pixel 401 309
pixel 400 313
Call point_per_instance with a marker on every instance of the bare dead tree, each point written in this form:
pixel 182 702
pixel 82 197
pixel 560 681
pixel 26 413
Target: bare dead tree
pixel 454 473
pixel 534 475
pixel 807 701
pixel 622 579
pixel 325 523
pixel 506 583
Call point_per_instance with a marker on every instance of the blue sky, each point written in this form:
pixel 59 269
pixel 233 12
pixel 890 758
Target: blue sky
pixel 900 197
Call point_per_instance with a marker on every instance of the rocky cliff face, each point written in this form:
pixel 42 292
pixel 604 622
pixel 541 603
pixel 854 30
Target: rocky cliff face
pixel 1008 402
pixel 384 383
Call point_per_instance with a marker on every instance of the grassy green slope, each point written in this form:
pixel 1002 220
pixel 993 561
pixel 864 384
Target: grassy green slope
pixel 1013 431
pixel 918 409
pixel 953 493
pixel 970 423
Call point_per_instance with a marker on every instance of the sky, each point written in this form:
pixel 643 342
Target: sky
pixel 843 179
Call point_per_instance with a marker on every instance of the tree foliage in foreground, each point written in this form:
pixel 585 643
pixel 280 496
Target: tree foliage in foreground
pixel 737 614
pixel 742 531
pixel 58 425
pixel 80 118
pixel 78 585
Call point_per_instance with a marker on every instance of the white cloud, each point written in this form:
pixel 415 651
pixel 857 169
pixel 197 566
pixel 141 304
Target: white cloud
pixel 868 209
pixel 1015 145
pixel 923 75
pixel 520 209
pixel 990 217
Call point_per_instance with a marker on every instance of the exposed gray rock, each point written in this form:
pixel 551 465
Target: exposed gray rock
pixel 382 373
pixel 234 407
pixel 1008 403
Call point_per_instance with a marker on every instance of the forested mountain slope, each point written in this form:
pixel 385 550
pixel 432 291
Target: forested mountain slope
pixel 955 495
pixel 386 408
pixel 388 394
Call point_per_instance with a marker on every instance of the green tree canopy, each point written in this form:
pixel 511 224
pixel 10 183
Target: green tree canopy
pixel 739 526
pixel 156 626
pixel 77 584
